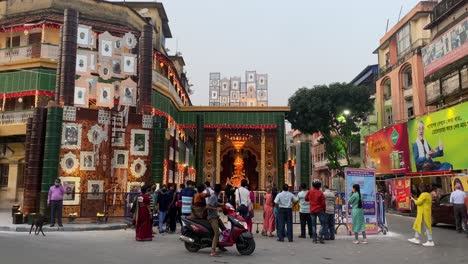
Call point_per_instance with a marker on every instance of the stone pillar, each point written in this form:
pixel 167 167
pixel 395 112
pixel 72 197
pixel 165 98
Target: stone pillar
pixel 12 182
pixel 305 162
pixel 217 156
pixel 199 147
pixel 262 160
pixel 159 149
pixel 53 141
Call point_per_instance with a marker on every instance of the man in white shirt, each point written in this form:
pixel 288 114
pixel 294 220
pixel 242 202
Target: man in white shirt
pixel 243 202
pixel 285 201
pixel 208 190
pixel 304 212
pixel 329 228
pixel 457 198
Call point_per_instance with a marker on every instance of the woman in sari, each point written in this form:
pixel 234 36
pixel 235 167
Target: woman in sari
pixel 268 215
pixel 144 227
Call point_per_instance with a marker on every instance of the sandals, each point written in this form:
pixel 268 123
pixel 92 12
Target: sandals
pixel 214 255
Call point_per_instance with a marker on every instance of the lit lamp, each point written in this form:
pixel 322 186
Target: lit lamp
pixel 20 100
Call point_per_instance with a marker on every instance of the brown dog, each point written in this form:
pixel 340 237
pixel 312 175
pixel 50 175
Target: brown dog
pixel 38 222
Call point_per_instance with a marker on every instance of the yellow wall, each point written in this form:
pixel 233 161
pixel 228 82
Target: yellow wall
pixel 51 36
pixel 12 194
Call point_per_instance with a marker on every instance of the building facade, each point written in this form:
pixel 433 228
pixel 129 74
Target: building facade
pixel 235 92
pixel 400 90
pixel 445 58
pixel 91 96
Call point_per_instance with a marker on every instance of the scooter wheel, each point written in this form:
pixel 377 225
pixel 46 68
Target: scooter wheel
pixel 247 247
pixel 191 247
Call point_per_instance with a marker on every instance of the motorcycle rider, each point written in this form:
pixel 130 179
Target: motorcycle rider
pixel 213 217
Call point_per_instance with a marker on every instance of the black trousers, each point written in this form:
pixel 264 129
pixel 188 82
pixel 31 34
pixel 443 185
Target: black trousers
pixel 172 215
pixel 305 220
pixel 56 211
pixel 460 216
pixel 285 218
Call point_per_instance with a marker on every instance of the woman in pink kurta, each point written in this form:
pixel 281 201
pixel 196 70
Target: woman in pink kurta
pixel 268 215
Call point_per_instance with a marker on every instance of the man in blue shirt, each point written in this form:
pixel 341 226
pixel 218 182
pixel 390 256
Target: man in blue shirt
pixel 186 196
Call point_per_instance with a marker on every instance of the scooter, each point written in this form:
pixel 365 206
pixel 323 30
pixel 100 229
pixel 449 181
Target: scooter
pixel 198 234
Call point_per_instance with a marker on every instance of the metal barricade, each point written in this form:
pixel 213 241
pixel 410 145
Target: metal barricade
pixel 381 219
pixel 341 218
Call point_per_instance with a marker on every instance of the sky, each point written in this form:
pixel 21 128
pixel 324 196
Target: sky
pixel 298 43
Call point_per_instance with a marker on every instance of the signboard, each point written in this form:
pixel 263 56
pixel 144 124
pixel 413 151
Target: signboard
pixel 403 194
pixel 437 141
pixel 463 180
pixel 450 47
pixel 366 180
pixel 387 150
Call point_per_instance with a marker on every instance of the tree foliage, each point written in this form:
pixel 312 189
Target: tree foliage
pixel 321 109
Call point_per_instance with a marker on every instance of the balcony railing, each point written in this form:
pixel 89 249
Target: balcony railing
pixel 164 82
pixel 46 51
pixel 15 117
pixel 443 7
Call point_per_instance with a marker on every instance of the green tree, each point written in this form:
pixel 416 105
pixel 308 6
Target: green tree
pixel 335 111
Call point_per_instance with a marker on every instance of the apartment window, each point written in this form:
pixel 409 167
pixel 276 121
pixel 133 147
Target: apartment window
pixel 403 39
pixel 388 116
pixel 408 78
pixel 387 90
pixel 387 59
pixel 4 170
pixel 13 42
pixel 410 111
pixel 35 38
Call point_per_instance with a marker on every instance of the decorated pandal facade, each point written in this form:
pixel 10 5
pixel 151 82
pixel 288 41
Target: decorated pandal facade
pixel 120 117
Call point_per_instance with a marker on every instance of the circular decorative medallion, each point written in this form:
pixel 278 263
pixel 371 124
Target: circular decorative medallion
pixel 269 163
pixel 138 168
pixel 69 163
pixel 208 176
pixel 130 40
pixel 269 152
pixel 96 135
pixel 209 164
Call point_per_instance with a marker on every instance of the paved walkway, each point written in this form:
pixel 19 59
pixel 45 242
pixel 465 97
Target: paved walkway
pixel 6 224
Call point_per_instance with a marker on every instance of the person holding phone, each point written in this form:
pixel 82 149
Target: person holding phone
pixel 423 217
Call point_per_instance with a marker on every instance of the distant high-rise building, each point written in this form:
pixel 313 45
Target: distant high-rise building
pixel 235 92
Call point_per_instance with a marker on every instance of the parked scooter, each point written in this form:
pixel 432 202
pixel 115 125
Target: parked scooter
pixel 198 234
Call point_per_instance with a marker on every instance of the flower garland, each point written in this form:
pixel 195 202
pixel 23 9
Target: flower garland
pixel 23 28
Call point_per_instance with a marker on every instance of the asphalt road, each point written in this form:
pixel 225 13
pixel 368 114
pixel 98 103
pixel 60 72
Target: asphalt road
pixel 120 247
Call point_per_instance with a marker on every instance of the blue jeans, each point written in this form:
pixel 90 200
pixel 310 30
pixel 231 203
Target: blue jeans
pixel 162 216
pixel 321 217
pixel 329 226
pixel 285 217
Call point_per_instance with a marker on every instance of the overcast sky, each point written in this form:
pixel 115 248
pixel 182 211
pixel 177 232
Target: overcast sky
pixel 297 42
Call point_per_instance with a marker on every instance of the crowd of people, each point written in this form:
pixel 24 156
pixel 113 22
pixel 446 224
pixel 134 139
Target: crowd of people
pixel 169 205
pixel 317 203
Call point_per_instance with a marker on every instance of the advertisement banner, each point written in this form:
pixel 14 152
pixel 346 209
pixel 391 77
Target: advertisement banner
pixel 462 180
pixel 366 180
pixel 403 194
pixel 449 47
pixel 387 150
pixel 438 140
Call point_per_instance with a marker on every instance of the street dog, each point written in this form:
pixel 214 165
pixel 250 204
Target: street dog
pixel 38 222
